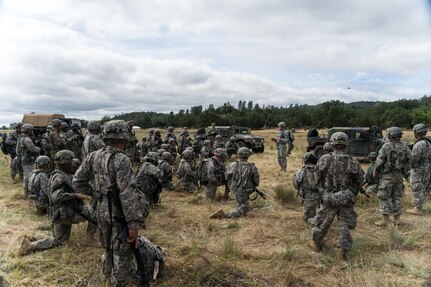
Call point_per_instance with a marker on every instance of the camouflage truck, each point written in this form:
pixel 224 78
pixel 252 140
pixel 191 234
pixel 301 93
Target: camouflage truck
pixel 243 137
pixel 363 140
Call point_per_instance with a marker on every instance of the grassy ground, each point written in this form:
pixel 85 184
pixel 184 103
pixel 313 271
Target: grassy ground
pixel 267 248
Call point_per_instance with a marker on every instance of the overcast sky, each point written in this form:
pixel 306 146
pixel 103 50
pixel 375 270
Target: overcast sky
pixel 91 58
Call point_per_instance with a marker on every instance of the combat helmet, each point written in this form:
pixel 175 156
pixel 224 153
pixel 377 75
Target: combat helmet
pixel 372 155
pixel 18 125
pixel 42 160
pixel 74 125
pixel 232 139
pixel 282 124
pixel 93 125
pixel 218 137
pixel 207 142
pixel 152 157
pixel 187 154
pixel 160 151
pixel 394 133
pixel 221 152
pixel 166 156
pixel 56 123
pixel 64 156
pixel 116 129
pixel 328 147
pixel 64 125
pixel 339 138
pixel 244 153
pixel 165 146
pixel 309 158
pixel 171 129
pixel 420 128
pixel 26 128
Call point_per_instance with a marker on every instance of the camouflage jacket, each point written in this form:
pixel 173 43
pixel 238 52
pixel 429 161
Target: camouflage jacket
pixel 215 171
pixel 58 142
pixel 284 137
pixel 186 170
pixel 148 177
pixel 166 169
pixel 393 157
pixel 26 150
pixel 12 141
pixel 106 167
pixel 170 135
pixel 242 175
pixel 369 177
pixel 38 185
pixel 421 155
pixel 155 143
pixel 45 144
pixel 232 147
pixel 206 152
pixel 218 144
pixel 92 142
pixel 339 171
pixel 62 197
pixel 305 179
pixel 75 140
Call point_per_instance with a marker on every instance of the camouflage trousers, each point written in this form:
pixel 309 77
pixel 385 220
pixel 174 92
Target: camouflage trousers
pixel 167 185
pixel 187 185
pixel 27 170
pixel 346 219
pixel 242 204
pixel 61 235
pixel 210 190
pixel 15 168
pixel 391 190
pixel 311 202
pixel 118 262
pixel 419 179
pixel 282 155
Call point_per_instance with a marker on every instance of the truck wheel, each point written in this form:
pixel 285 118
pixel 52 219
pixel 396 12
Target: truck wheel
pixel 241 144
pixel 318 152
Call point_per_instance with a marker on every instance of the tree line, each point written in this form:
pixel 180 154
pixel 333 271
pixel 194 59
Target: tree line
pixel 403 113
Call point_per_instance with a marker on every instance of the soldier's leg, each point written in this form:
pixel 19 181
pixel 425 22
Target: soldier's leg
pixel 311 203
pixel 105 239
pixel 418 187
pixel 397 195
pixel 124 265
pixel 324 219
pixel 61 234
pixel 27 170
pixel 210 191
pixel 347 221
pixel 13 170
pixel 242 205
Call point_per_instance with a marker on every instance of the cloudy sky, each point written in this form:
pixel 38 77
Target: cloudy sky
pixel 91 58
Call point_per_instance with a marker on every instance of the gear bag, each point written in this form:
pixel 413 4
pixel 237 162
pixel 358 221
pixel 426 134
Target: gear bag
pixel 201 172
pixel 152 257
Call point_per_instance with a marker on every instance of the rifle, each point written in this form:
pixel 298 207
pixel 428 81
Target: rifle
pixel 226 190
pixel 113 198
pixel 77 210
pixel 361 190
pixel 258 193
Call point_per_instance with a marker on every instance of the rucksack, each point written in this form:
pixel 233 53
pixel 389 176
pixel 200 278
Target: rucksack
pixel 152 257
pixel 4 148
pixel 396 158
pixel 201 172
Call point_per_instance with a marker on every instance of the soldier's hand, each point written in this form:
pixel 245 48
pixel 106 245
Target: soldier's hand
pixel 83 196
pixel 133 237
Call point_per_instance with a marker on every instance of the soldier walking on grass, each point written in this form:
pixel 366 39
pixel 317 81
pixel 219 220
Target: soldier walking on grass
pixel 420 171
pixel 283 138
pixel 341 176
pixel 121 207
pixel 11 143
pixel 392 165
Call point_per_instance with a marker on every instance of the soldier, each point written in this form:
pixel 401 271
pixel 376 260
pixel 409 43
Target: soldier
pixel 214 174
pixel 173 148
pixel 75 140
pixel 420 169
pixel 185 141
pixel 58 142
pixel 231 147
pixel 305 183
pixel 165 165
pixel 149 176
pixel 38 184
pixel 131 144
pixel 27 152
pixel 142 148
pixel 45 142
pixel 392 165
pixel 283 138
pixel 212 132
pixel 66 207
pixel 186 173
pixel 156 140
pixel 243 179
pixel 206 150
pixel 11 142
pixel 170 134
pixel 341 177
pixel 328 148
pixel 93 140
pixel 371 183
pixel 121 206
pixel 218 142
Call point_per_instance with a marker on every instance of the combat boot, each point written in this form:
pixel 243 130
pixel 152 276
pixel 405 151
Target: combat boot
pixel 315 246
pixel 415 210
pixel 219 214
pixel 14 181
pixel 385 222
pixel 397 221
pixel 343 254
pixel 283 168
pixel 26 247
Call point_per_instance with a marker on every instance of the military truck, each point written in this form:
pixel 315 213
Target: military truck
pixel 243 137
pixel 41 121
pixel 363 140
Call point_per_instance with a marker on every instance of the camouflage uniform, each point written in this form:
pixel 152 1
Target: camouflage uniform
pixel 148 180
pixel 15 165
pixel 92 142
pixel 45 145
pixel 58 142
pixel 305 182
pixel 38 189
pixel 173 149
pixel 371 180
pixel 392 165
pixel 105 167
pixel 155 141
pixel 215 170
pixel 206 151
pixel 170 135
pixel 75 141
pixel 420 168
pixel 142 148
pixel 243 178
pixel 283 138
pixel 131 143
pixel 26 152
pixel 186 173
pixel 166 168
pixel 185 141
pixel 341 176
pixel 218 143
pixel 231 147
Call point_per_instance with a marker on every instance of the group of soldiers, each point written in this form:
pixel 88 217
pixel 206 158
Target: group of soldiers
pixel 93 180
pixel 329 185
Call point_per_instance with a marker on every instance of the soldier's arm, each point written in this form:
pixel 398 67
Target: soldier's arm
pixel 188 170
pixel 82 177
pixel 256 176
pixel 11 140
pixel 211 172
pixel 128 193
pixel 59 191
pixel 31 147
pixel 417 151
pixel 44 183
pixel 380 161
pixel 156 172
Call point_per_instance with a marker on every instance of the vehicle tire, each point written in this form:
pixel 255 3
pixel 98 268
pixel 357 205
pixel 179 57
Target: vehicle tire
pixel 318 152
pixel 242 144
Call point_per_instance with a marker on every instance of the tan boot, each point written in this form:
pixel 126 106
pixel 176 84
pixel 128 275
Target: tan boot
pixel 26 247
pixel 315 246
pixel 385 222
pixel 415 211
pixel 217 215
pixel 397 221
pixel 343 254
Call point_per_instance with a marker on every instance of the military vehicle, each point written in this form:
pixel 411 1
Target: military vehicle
pixel 363 140
pixel 243 137
pixel 41 121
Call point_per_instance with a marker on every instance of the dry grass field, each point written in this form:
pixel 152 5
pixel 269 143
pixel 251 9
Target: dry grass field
pixel 266 248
